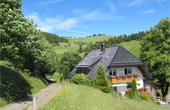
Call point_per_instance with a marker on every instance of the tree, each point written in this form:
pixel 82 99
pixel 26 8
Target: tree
pixel 155 52
pixel 21 43
pixel 70 59
pixel 80 48
pixel 101 81
pixel 134 87
pixel 64 70
pixel 14 29
pixel 94 35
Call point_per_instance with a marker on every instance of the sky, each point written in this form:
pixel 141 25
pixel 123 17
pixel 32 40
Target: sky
pixel 81 18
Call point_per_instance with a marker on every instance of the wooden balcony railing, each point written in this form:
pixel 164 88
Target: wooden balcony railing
pixel 123 78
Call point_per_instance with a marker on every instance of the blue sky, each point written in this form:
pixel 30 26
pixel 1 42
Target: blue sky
pixel 81 18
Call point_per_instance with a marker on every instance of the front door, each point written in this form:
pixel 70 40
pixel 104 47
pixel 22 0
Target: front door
pixel 125 71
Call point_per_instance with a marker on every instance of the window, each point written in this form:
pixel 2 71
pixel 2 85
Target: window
pixel 129 71
pixel 114 72
pixel 110 72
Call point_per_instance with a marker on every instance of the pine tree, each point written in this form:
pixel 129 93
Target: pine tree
pixel 134 87
pixel 101 81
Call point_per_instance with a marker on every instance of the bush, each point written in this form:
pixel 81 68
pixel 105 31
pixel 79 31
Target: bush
pixel 130 94
pixel 81 79
pixel 101 81
pixel 65 71
pixel 152 98
pixel 133 93
pixel 134 88
pixel 144 97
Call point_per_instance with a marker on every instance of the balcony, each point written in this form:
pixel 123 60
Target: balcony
pixel 123 78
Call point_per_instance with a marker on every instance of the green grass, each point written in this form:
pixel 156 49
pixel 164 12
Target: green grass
pixel 133 47
pixel 75 97
pixel 55 77
pixel 65 48
pixel 90 39
pixel 17 84
pixel 74 47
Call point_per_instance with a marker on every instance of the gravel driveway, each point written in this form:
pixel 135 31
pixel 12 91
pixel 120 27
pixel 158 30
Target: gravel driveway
pixel 42 98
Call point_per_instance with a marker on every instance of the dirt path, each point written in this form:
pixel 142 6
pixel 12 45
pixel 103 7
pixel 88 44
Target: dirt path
pixel 42 98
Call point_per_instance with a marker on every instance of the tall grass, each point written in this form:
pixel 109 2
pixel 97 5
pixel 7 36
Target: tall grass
pixel 75 97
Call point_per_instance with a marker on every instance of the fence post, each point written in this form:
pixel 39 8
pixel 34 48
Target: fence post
pixel 34 103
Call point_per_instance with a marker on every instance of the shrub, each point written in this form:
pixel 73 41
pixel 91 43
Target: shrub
pixel 152 98
pixel 136 96
pixel 130 94
pixel 101 81
pixel 134 88
pixel 144 97
pixel 65 71
pixel 61 77
pixel 81 79
pixel 133 93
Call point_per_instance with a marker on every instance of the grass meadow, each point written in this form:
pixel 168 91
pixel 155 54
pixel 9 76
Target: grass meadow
pixel 90 39
pixel 132 46
pixel 76 97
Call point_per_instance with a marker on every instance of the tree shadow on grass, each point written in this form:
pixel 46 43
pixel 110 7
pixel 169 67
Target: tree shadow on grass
pixel 13 86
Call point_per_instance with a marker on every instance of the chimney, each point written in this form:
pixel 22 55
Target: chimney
pixel 103 48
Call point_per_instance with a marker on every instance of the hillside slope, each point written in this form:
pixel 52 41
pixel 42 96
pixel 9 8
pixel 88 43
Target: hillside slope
pixel 16 84
pixel 90 39
pixel 75 97
pixel 132 46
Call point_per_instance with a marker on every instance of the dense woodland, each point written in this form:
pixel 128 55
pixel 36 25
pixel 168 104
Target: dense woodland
pixel 54 39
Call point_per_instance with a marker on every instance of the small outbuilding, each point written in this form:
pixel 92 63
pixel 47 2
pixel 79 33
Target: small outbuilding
pixel 151 88
pixel 168 99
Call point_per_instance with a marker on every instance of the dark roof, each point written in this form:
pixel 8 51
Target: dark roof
pixel 147 82
pixel 113 56
pixel 123 57
pixel 88 61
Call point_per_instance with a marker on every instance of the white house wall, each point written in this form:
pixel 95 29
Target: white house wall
pixel 120 71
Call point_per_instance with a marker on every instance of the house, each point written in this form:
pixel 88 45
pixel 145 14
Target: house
pixel 120 65
pixel 151 88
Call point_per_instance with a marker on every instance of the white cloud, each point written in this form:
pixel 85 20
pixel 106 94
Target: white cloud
pixel 74 35
pixel 99 15
pixel 74 31
pixel 160 2
pixel 48 2
pixel 135 3
pixel 67 24
pixel 53 24
pixel 150 11
pixel 111 6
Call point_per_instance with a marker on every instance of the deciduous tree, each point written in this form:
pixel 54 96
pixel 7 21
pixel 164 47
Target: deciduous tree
pixel 155 52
